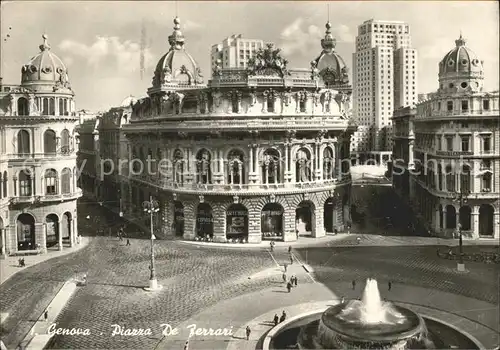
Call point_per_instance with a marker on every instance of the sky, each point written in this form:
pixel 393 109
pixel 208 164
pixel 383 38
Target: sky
pixel 99 41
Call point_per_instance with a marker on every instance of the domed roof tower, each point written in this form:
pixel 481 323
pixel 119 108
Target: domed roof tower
pixel 177 68
pixel 329 65
pixel 45 70
pixel 461 69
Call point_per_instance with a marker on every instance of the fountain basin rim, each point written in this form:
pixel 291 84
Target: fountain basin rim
pixel 377 332
pixel 280 326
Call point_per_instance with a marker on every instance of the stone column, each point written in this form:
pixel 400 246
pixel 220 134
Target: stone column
pixel 254 228
pixel 4 240
pixel 338 161
pixel 220 223
pixel 475 221
pixel 41 236
pixel 167 217
pixel 250 164
pixel 319 230
pixel 289 234
pixel 189 220
pixel 60 235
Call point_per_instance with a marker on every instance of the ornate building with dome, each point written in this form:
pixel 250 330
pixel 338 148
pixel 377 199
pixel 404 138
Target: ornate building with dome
pixel 38 145
pixel 455 138
pixel 254 154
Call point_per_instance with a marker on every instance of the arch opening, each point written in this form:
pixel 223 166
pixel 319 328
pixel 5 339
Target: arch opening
pixel 26 232
pixel 305 219
pixel 178 219
pixel 272 221
pixel 237 222
pixel 204 221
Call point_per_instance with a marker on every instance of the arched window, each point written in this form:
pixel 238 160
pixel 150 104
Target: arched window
pixel 486 182
pixel 45 103
pixel 236 167
pixel 270 105
pixel 52 106
pixel 178 167
pixel 450 179
pixel 303 166
pixel 49 141
pixel 203 166
pixel 25 183
pixel 61 106
pixel 328 163
pixel 23 142
pixel 65 149
pixel 66 181
pixel 465 179
pixel 22 106
pixel 271 167
pixel 50 182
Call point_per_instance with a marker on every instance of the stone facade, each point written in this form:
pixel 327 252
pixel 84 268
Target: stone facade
pixel 254 154
pixel 455 185
pixel 38 144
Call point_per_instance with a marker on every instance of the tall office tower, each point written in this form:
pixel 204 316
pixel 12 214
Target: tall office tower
pixel 385 76
pixel 234 51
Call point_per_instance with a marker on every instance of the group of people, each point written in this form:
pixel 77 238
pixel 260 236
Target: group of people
pixel 121 234
pixel 292 283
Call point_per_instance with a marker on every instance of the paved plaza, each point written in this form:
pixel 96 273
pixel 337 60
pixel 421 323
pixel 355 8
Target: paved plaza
pixel 197 278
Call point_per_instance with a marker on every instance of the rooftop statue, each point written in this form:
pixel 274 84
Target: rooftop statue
pixel 268 61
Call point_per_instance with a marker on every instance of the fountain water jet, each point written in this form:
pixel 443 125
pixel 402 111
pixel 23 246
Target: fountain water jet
pixel 365 324
pixel 371 309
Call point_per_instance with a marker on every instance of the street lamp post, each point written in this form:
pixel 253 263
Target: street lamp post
pixel 460 198
pixel 152 207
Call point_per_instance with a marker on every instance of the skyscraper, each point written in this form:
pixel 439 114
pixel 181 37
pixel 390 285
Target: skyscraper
pixel 385 77
pixel 234 51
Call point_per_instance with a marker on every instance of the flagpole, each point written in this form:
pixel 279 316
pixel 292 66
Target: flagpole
pixel 152 207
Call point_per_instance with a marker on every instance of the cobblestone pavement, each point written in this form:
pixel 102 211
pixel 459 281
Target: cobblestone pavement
pixel 195 278
pixel 418 266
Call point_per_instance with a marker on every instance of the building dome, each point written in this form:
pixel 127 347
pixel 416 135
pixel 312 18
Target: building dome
pixel 177 67
pixel 461 60
pixel 330 65
pixel 128 101
pixel 460 70
pixel 45 68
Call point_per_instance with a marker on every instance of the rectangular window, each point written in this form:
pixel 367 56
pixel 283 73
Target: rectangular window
pixel 25 186
pixel 465 143
pixel 50 183
pixel 439 106
pixel 465 105
pixel 449 143
pixel 486 143
pixel 302 106
pixel 449 105
pixel 486 104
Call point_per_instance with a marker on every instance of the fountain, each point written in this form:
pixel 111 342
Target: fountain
pixel 368 323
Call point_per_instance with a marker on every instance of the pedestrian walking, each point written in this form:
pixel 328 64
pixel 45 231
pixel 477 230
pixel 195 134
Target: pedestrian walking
pixel 248 331
pixel 46 315
pixel 186 345
pixel 276 319
pixel 271 246
pixel 353 284
pixel 283 316
pixel 289 287
pixel 295 280
pixel 290 250
pixel 389 285
pixel 291 259
pixel 284 277
pixel 128 241
pixel 285 266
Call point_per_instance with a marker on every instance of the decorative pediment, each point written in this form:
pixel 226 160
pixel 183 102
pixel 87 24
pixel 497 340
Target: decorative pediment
pixel 268 61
